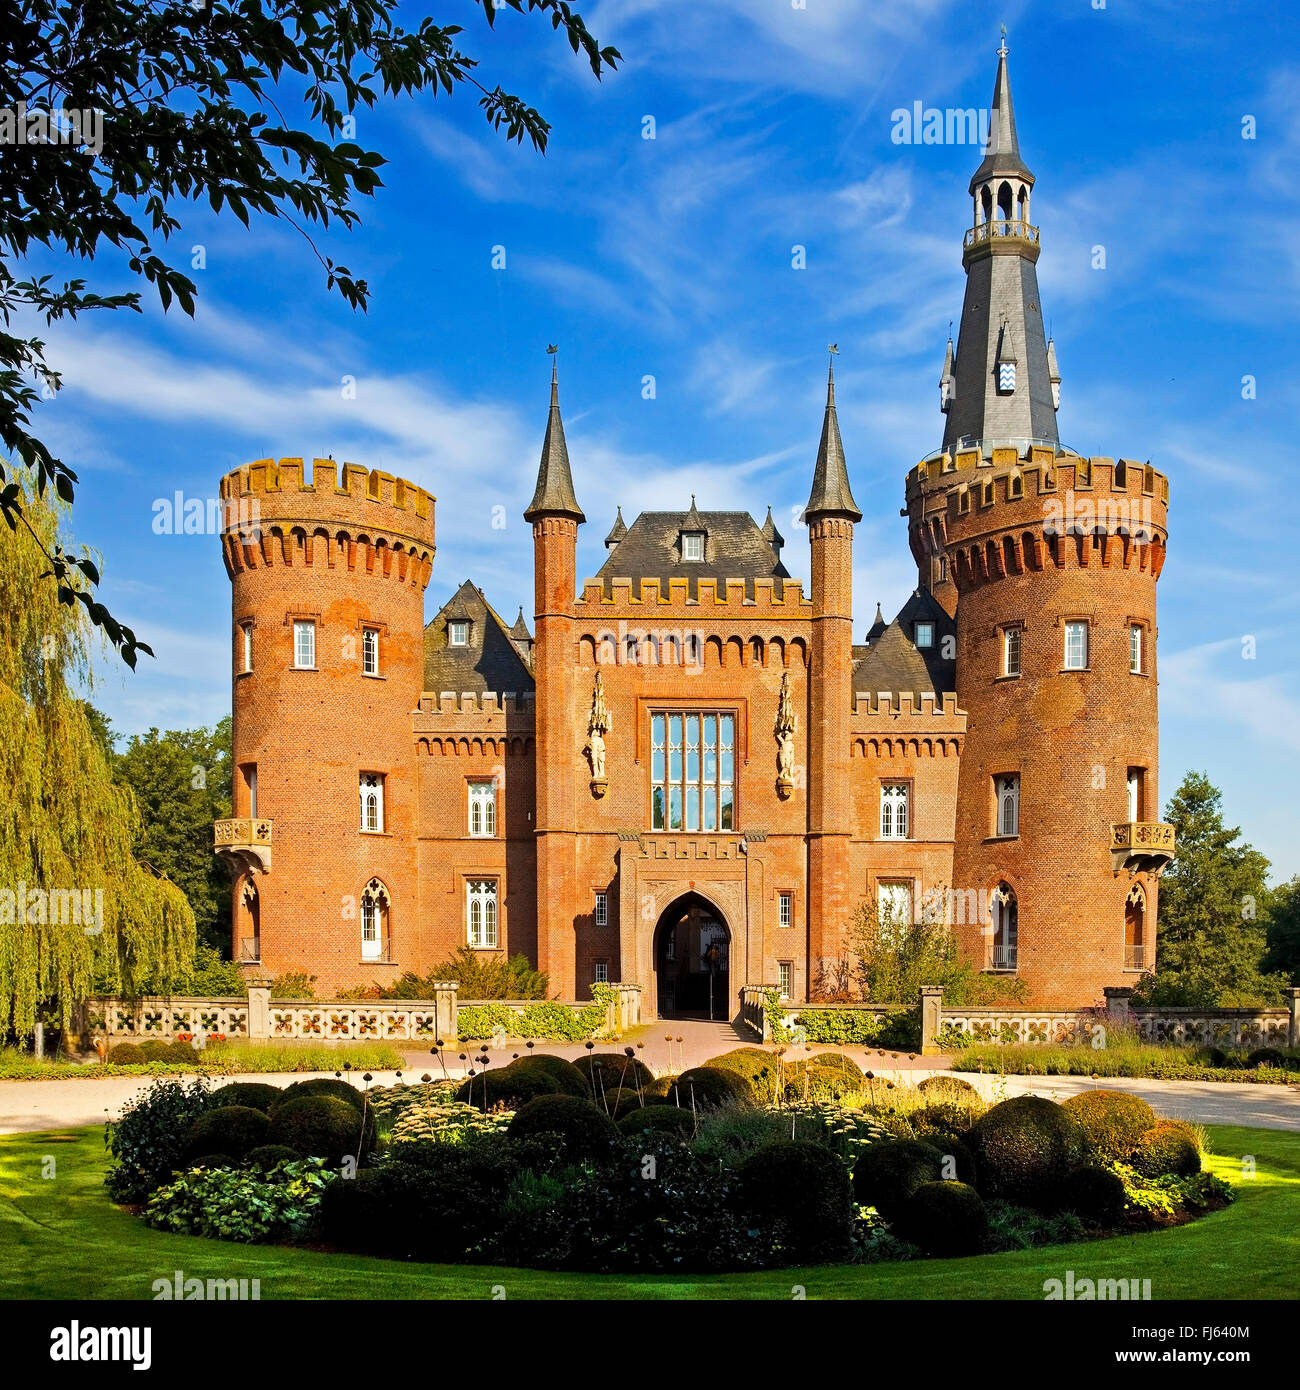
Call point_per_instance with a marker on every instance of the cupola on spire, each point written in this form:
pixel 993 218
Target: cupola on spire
pixel 831 494
pixel 554 495
pixel 999 388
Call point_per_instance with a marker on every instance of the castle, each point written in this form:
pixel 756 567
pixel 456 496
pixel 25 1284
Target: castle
pixel 689 776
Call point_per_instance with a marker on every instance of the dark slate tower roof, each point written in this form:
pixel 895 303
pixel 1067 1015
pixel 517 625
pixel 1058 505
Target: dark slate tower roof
pixel 554 495
pixel 490 660
pixel 831 494
pixel 617 531
pixel 1000 387
pixel 734 548
pixel 892 661
pixel 771 535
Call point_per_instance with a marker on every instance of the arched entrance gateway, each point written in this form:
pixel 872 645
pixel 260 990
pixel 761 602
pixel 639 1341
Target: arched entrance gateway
pixel 692 951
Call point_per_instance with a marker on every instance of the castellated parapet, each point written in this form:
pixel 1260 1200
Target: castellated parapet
pixel 784 597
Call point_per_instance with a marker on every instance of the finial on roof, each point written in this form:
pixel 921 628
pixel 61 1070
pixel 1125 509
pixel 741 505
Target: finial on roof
pixel 831 493
pixel 693 522
pixel 1003 50
pixel 554 495
pixel 616 532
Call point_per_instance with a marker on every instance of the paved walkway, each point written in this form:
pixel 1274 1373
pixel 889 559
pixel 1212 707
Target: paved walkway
pixel 27 1106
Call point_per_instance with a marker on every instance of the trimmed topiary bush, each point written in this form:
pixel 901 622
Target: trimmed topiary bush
pixel 890 1170
pixel 320 1126
pixel 611 1070
pixel 945 1218
pixel 266 1156
pixel 943 1086
pixel 322 1086
pixel 658 1119
pixel 712 1088
pixel 155 1050
pixel 617 1104
pixel 839 1063
pixel 799 1195
pixel 568 1079
pixel 510 1088
pixel 1024 1148
pixel 229 1129
pixel 759 1069
pixel 1168 1148
pixel 1113 1120
pixel 1266 1057
pixel 1094 1193
pixel 124 1055
pixel 583 1131
pixel 257 1095
pixel 950 1118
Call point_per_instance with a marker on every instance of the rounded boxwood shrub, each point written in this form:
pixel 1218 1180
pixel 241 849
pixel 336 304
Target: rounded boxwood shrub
pixel 1265 1057
pixel 568 1079
pixel 1169 1147
pixel 509 1088
pixel 712 1088
pixel 950 1118
pixel 804 1079
pixel 1212 1057
pixel 257 1095
pixel 230 1129
pixel 1094 1193
pixel 837 1062
pixel 890 1170
pixel 583 1131
pixel 945 1218
pixel 155 1050
pixel 320 1126
pixel 1024 1147
pixel 658 1119
pixel 611 1070
pixel 321 1086
pixel 124 1055
pixel 1113 1120
pixel 623 1102
pixel 759 1068
pixel 799 1194
pixel 266 1156
pixel 943 1086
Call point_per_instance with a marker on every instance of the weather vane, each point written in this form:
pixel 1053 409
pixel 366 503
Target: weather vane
pixel 1003 51
pixel 833 349
pixel 552 348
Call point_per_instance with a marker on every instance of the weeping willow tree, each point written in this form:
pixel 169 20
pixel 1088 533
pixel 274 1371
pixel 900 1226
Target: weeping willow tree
pixel 78 913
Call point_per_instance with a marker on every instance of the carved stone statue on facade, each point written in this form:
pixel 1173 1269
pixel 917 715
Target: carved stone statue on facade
pixel 598 722
pixel 784 733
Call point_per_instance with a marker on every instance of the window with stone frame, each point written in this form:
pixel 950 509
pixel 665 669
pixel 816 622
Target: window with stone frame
pixel 693 771
pixel 481 913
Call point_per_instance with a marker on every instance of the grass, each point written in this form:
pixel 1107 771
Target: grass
pixel 60 1237
pixel 1160 1061
pixel 220 1059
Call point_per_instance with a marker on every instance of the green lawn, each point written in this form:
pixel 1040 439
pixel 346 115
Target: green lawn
pixel 60 1237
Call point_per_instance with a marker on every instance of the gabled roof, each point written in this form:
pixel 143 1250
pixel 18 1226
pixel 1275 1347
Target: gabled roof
pixel 490 662
pixel 734 548
pixel 893 662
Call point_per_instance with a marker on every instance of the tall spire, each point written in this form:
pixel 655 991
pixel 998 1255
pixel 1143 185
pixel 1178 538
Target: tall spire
pixel 554 495
pixel 830 490
pixel 998 389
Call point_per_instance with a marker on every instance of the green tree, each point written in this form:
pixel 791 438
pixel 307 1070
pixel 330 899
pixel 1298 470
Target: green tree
pixel 192 97
pixel 181 782
pixel 65 825
pixel 1284 931
pixel 1214 902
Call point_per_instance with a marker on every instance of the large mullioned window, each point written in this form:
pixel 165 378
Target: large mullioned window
pixel 693 771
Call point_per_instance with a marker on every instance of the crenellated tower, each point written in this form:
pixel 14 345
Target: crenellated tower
pixel 328 574
pixel 1049 561
pixel 555 517
pixel 831 514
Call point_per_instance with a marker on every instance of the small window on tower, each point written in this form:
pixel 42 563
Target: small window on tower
pixel 924 634
pixel 692 545
pixel 304 645
pixel 1135 648
pixel 785 904
pixel 370 651
pixel 1076 646
pixel 372 802
pixel 1011 651
pixel 246 633
pixel 943 569
pixel 784 969
pixel 602 909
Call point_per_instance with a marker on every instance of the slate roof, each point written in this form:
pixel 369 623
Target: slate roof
pixel 893 662
pixel 1004 156
pixel 554 494
pixel 734 548
pixel 490 662
pixel 831 493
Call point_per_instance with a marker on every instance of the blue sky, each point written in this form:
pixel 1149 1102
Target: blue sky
pixel 671 257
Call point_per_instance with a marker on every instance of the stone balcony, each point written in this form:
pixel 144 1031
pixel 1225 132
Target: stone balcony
pixel 245 843
pixel 1141 846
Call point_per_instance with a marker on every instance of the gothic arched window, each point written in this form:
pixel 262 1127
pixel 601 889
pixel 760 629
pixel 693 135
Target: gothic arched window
pixel 374 921
pixel 1004 916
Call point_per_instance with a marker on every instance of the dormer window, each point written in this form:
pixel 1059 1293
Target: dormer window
pixel 924 633
pixel 458 632
pixel 693 545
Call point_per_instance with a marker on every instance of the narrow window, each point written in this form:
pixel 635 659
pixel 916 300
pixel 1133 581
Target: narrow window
pixel 1135 794
pixel 894 909
pixel 250 774
pixel 1076 646
pixel 481 913
pixel 602 909
pixel 785 909
pixel 1135 648
pixel 943 569
pixel 783 972
pixel 1004 912
pixel 1007 789
pixel 458 633
pixel 893 810
pixel 370 651
pixel 304 645
pixel 924 633
pixel 1011 651
pixel 372 802
pixel 374 921
pixel 246 632
pixel 482 809
pixel 602 972
pixel 1135 929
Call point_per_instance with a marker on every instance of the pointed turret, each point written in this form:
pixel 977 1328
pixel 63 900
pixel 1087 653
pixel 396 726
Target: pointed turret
pixel 616 532
pixel 1053 374
pixel 877 628
pixel 771 535
pixel 997 389
pixel 519 630
pixel 947 381
pixel 554 495
pixel 831 494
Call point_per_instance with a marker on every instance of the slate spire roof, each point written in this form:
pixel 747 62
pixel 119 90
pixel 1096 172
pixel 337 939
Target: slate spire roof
pixel 617 531
pixel 831 494
pixel 771 535
pixel 554 495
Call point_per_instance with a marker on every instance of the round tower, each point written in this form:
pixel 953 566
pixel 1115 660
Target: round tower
pixel 1054 559
pixel 328 578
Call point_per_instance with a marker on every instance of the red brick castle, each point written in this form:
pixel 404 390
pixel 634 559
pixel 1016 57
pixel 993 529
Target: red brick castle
pixel 689 776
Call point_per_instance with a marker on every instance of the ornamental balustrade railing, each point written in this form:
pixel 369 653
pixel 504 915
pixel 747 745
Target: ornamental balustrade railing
pixel 1000 227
